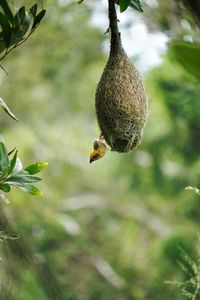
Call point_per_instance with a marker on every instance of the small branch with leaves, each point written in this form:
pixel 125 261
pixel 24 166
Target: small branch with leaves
pixel 16 28
pixel 124 4
pixel 13 174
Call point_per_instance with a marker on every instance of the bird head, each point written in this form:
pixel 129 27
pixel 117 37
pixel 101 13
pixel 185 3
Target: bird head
pixel 99 150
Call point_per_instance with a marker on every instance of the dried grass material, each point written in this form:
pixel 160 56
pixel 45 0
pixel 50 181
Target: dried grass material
pixel 121 102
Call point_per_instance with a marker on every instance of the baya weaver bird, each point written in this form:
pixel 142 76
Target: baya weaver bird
pixel 99 149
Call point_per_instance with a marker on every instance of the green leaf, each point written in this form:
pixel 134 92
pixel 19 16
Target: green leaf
pixel 22 26
pixel 7 11
pixel 187 54
pixel 19 17
pixel 33 10
pixel 28 24
pixel 5 187
pixel 12 163
pixel 2 43
pixel 4 160
pixel 123 5
pixel 39 17
pixel 31 189
pixel 6 29
pixel 7 110
pixel 11 151
pixel 135 4
pixel 28 188
pixel 22 178
pixel 36 168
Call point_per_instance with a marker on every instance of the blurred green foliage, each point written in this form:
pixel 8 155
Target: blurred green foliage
pixel 187 54
pixel 16 26
pixel 112 230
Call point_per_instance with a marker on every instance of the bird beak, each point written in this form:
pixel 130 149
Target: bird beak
pixel 94 155
pixel 92 159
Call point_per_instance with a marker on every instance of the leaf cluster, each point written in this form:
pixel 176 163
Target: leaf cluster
pixel 13 174
pixel 124 4
pixel 17 27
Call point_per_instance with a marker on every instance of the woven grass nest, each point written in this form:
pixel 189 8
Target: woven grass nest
pixel 121 101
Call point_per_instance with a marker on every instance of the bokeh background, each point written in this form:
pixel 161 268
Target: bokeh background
pixel 120 228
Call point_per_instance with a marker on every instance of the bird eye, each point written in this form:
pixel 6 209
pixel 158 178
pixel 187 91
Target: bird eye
pixel 96 145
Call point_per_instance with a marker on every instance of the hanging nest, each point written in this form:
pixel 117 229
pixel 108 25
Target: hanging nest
pixel 121 102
